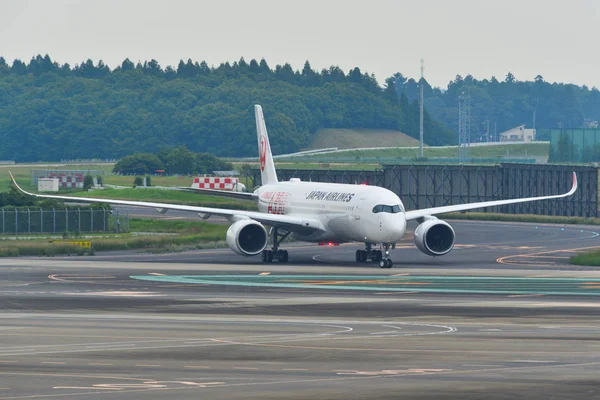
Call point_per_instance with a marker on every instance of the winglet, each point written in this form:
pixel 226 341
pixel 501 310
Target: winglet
pixel 574 187
pixel 12 178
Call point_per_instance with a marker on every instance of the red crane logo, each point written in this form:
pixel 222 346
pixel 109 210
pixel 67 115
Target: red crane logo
pixel 262 152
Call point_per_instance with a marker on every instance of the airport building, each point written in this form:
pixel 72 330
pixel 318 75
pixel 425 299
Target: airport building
pixel 518 134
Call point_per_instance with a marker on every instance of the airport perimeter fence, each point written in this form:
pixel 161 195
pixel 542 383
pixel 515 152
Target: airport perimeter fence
pixel 60 221
pixel 411 160
pixel 424 186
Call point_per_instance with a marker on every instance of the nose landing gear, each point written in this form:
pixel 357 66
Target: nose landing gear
pixel 376 256
pixel 387 261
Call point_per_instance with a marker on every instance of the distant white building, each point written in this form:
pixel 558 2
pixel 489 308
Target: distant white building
pixel 518 134
pixel 47 184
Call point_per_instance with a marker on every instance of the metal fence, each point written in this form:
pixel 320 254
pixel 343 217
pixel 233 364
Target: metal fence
pixel 424 186
pixel 58 221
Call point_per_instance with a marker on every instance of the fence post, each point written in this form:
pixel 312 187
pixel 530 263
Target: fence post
pixel 91 220
pixel 66 220
pixel 28 220
pixel 104 218
pixel 54 220
pixel 79 219
pixel 41 220
pixel 16 222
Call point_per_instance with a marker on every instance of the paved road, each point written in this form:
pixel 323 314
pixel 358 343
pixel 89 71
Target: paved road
pixel 82 328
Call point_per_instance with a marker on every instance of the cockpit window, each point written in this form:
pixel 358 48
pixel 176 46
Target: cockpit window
pixel 387 209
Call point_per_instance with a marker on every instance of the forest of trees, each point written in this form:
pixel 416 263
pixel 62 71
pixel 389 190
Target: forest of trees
pixel 50 111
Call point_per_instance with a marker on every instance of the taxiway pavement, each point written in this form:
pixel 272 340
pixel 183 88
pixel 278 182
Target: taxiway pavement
pixel 91 328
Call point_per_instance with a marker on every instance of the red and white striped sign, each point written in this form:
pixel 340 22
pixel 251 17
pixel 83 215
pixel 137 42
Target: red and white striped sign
pixel 215 183
pixel 68 181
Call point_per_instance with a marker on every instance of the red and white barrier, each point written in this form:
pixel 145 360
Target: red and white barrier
pixel 68 181
pixel 215 183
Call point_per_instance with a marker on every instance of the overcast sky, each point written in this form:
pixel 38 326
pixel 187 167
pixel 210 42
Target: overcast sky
pixel 556 39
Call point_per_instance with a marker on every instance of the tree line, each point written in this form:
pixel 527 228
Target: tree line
pixel 178 160
pixel 50 111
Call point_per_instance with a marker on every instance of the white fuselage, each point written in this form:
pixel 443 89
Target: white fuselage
pixel 346 211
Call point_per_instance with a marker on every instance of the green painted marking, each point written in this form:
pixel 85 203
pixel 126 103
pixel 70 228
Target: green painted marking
pixel 425 284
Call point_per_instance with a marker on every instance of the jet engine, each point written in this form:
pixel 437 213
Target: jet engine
pixel 247 237
pixel 434 237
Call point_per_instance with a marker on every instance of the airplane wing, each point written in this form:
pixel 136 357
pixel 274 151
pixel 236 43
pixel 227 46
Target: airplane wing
pixel 286 222
pixel 416 214
pixel 221 193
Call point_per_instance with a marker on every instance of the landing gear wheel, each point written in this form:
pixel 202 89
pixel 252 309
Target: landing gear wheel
pixel 389 263
pixel 383 264
pixel 378 256
pixel 275 253
pixel 267 256
pixel 361 256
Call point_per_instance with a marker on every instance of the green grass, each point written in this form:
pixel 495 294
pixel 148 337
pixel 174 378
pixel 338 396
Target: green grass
pixel 189 235
pixel 591 259
pixel 498 151
pixel 168 196
pixel 22 174
pixel 354 138
pixel 212 231
pixel 541 219
pixel 350 159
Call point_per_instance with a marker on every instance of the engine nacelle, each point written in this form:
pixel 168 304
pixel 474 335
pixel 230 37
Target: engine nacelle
pixel 434 237
pixel 247 237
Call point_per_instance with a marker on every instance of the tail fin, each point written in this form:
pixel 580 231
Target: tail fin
pixel 267 167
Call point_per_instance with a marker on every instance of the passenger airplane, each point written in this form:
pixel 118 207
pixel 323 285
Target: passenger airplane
pixel 322 212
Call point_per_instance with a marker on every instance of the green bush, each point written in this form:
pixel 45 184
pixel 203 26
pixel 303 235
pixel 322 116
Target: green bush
pixel 138 181
pixel 88 182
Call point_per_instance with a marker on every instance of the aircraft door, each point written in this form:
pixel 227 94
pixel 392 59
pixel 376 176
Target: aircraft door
pixel 358 209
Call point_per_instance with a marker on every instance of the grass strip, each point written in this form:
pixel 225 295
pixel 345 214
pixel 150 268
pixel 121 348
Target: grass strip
pixel 542 219
pixel 189 235
pixel 168 196
pixel 590 259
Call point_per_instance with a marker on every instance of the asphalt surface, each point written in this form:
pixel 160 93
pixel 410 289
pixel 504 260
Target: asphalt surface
pixel 485 321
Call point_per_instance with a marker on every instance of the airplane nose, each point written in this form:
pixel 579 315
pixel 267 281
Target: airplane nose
pixel 395 226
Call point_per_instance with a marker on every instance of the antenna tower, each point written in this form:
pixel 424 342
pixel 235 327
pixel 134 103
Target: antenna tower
pixel 464 127
pixel 421 110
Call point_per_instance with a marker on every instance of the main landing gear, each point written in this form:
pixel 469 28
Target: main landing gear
pixel 380 257
pixel 276 254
